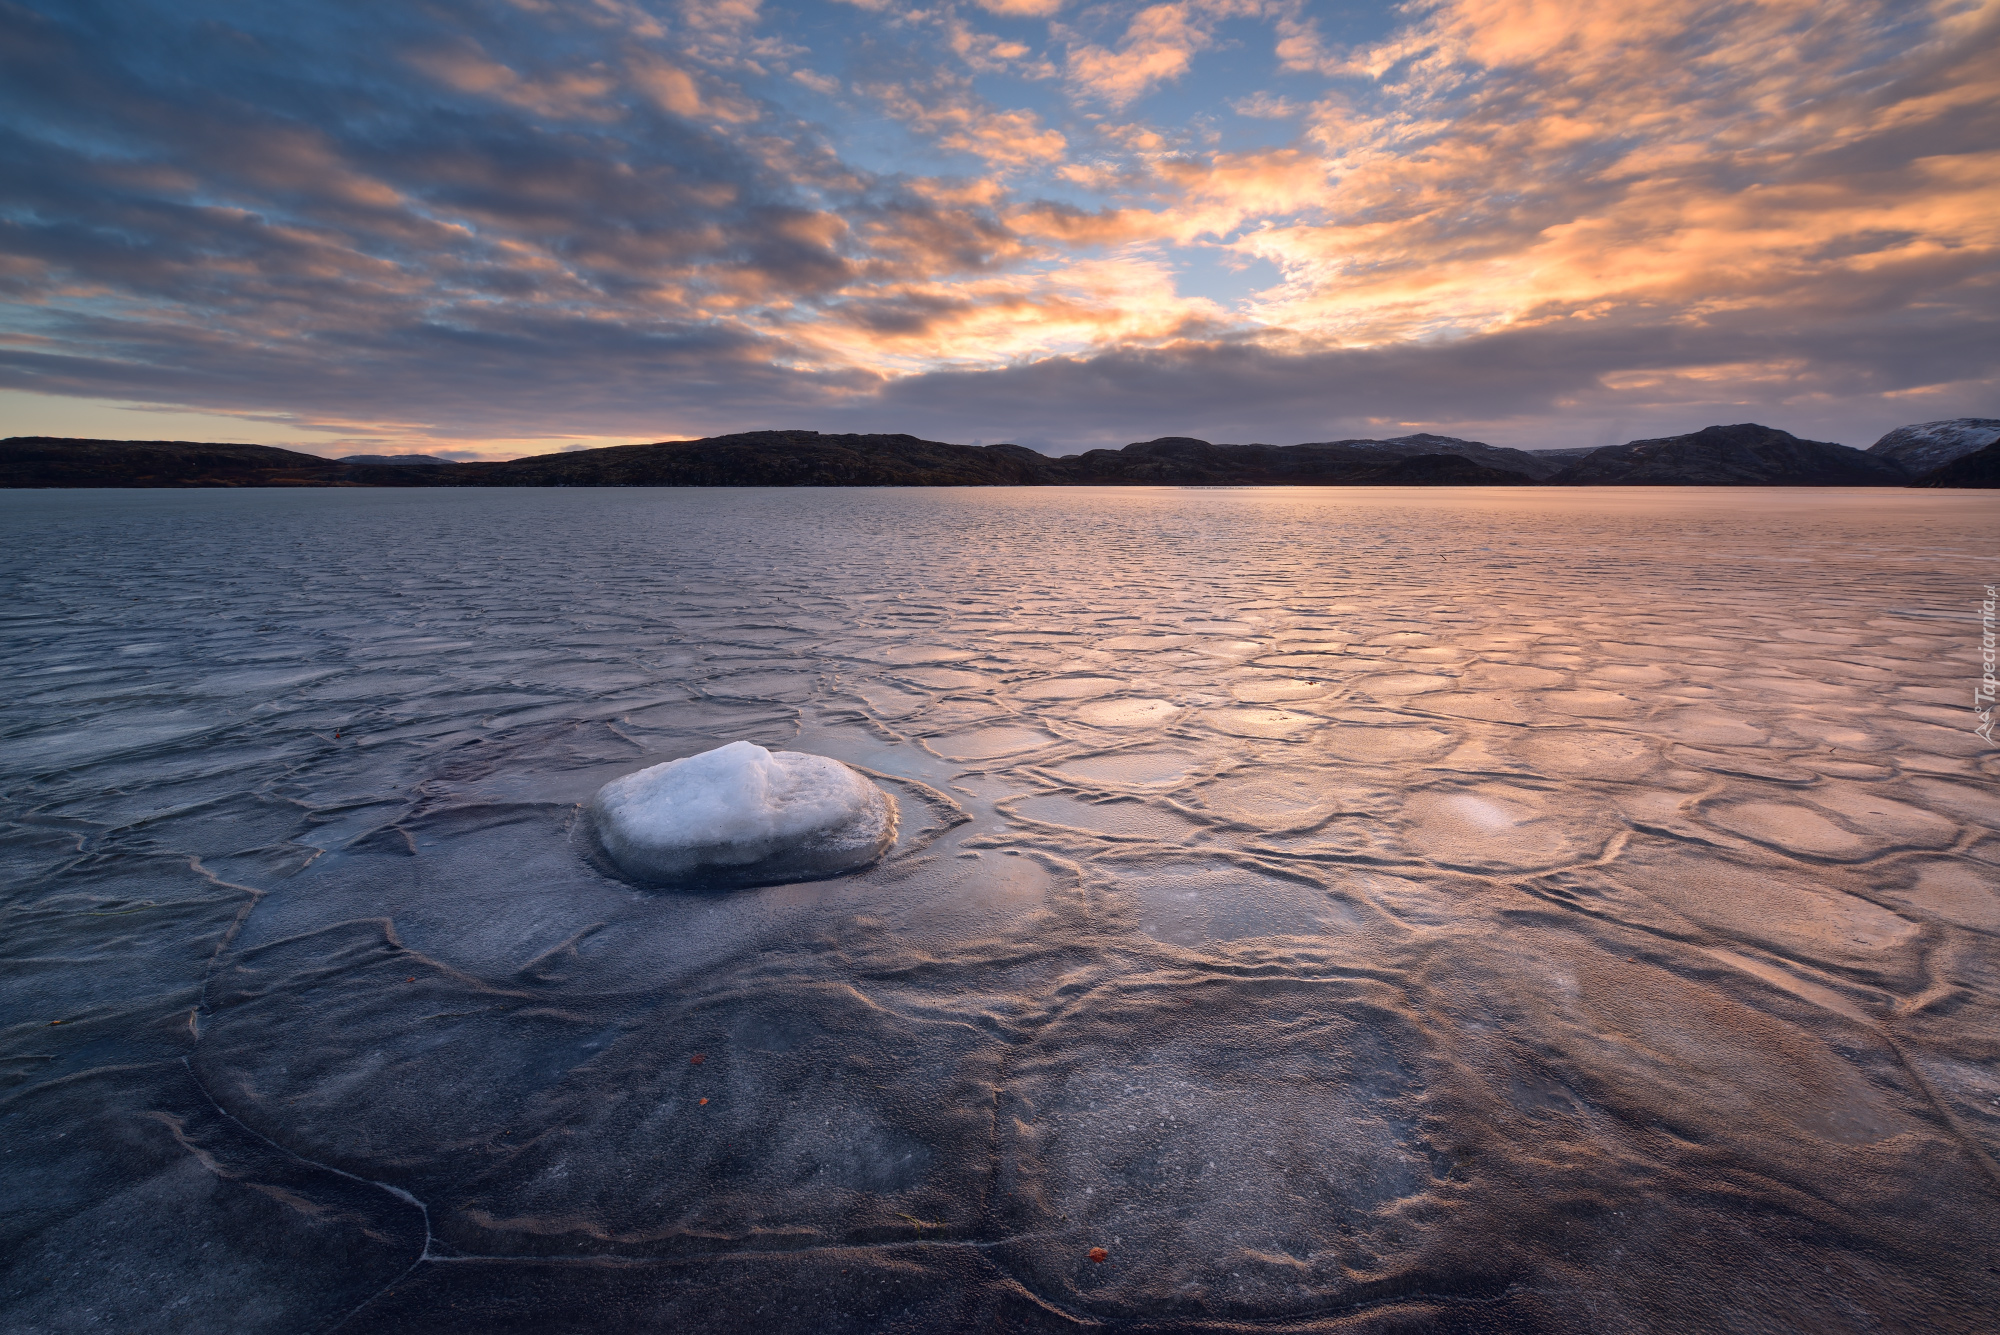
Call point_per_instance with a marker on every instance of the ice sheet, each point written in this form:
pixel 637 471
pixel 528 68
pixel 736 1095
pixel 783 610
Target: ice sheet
pixel 1378 910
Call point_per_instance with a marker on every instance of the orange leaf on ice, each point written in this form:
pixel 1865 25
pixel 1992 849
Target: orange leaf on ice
pixel 1099 1255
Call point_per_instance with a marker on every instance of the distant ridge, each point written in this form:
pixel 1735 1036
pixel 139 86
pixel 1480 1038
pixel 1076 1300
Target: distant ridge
pixel 52 461
pixel 1185 460
pixel 1746 454
pixel 1928 445
pixel 759 459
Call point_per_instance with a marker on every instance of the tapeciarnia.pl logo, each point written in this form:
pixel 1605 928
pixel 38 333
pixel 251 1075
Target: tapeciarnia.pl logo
pixel 1982 694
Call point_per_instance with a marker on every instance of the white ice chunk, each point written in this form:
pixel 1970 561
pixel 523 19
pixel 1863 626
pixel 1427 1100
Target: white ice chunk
pixel 743 815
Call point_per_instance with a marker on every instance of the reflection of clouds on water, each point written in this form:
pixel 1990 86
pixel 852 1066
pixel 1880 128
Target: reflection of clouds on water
pixel 1206 936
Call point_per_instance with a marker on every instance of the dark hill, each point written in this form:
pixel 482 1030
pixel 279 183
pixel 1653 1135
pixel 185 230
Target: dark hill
pixel 1186 461
pixel 759 459
pixel 1536 464
pixel 1448 470
pixel 50 461
pixel 1980 469
pixel 1745 455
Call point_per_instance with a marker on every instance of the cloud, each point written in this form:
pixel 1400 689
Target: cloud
pixel 467 222
pixel 669 87
pixel 1533 162
pixel 1532 388
pixel 945 109
pixel 1263 105
pixel 1022 9
pixel 1509 161
pixel 1122 300
pixel 569 93
pixel 988 53
pixel 1158 46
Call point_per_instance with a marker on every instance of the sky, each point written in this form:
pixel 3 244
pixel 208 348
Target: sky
pixel 489 228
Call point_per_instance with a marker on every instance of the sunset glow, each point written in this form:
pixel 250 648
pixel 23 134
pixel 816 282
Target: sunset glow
pixel 495 228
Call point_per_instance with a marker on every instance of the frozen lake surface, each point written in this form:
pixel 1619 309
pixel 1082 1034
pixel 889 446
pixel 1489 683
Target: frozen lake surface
pixel 1352 910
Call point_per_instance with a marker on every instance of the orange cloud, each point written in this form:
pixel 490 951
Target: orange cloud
pixel 1522 161
pixel 1022 9
pixel 1551 174
pixel 566 94
pixel 1127 299
pixel 948 111
pixel 1158 47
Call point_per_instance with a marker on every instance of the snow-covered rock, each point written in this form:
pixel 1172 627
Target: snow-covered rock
pixel 1928 445
pixel 742 815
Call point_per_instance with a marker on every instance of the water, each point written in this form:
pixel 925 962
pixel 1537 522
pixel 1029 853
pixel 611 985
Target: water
pixel 1501 911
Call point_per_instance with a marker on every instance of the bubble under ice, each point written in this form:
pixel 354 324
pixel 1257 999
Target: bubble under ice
pixel 740 815
pixel 1524 913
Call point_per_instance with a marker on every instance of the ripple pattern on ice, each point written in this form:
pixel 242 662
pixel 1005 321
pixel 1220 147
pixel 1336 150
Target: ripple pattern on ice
pixel 1445 911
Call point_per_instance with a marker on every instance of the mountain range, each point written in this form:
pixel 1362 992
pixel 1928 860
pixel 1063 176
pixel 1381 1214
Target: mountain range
pixel 1931 445
pixel 1942 454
